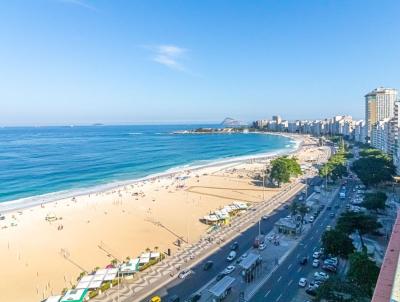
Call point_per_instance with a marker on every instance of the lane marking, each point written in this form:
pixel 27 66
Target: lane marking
pixel 290 282
pixel 267 294
pixel 290 265
pixel 312 237
pixel 299 269
pixel 279 279
pixel 280 296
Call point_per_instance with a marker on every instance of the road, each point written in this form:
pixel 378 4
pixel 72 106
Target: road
pixel 283 286
pixel 184 288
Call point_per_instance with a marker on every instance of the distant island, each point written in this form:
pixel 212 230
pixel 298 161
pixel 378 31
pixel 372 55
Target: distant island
pixel 230 122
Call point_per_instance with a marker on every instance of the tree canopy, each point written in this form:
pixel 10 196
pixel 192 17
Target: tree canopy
pixel 375 201
pixel 350 222
pixel 283 168
pixel 363 272
pixel 373 167
pixel 335 168
pixel 337 243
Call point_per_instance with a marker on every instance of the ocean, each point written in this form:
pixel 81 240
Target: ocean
pixel 38 163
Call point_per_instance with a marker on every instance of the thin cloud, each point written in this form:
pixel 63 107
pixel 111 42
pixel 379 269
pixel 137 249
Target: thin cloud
pixel 170 56
pixel 80 3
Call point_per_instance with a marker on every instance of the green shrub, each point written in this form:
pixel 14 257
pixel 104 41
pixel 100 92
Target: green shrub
pixel 93 294
pixel 105 286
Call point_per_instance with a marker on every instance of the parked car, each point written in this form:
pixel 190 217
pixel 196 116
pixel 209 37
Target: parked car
pixel 231 256
pixel 315 263
pixel 331 215
pixel 311 290
pixel 234 246
pixel 329 268
pixel 321 276
pixel 265 217
pixel 208 265
pixel 302 282
pixel 311 219
pixel 328 228
pixel 331 261
pixel 229 269
pixel 194 298
pixel 316 255
pixel 184 274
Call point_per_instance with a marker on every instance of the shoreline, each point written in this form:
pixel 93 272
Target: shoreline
pixel 37 200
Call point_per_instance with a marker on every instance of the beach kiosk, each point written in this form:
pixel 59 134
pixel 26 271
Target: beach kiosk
pixel 221 289
pixel 75 295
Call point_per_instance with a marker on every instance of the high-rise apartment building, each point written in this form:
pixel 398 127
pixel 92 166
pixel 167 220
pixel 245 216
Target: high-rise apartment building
pixel 379 105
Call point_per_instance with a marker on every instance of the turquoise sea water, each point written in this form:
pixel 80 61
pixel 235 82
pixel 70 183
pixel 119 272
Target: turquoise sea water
pixel 43 160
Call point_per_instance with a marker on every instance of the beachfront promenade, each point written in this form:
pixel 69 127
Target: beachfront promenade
pixel 162 273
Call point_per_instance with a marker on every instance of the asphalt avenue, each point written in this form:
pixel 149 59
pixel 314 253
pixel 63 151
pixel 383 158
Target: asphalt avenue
pixel 283 283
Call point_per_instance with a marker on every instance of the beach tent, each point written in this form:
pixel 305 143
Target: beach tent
pixel 53 299
pixel 90 282
pixel 74 295
pixel 154 255
pixel 130 267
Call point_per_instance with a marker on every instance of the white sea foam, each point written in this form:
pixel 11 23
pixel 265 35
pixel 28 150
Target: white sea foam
pixel 28 202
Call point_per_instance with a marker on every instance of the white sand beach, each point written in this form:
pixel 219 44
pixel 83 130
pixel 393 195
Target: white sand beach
pixel 94 228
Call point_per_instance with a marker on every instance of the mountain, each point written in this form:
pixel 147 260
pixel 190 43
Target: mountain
pixel 230 122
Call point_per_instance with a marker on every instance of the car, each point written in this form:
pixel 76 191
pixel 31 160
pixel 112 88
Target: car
pixel 311 219
pixel 311 291
pixel 331 215
pixel 315 263
pixel 265 217
pixel 303 260
pixel 174 298
pixel 301 198
pixel 262 246
pixel 321 276
pixel 302 282
pixel 329 208
pixel 316 255
pixel 185 273
pixel 328 228
pixel 337 206
pixel 234 246
pixel 194 298
pixel 231 256
pixel 286 206
pixel 331 261
pixel 208 265
pixel 329 268
pixel 229 269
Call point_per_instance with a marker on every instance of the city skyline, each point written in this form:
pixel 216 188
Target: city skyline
pixel 81 62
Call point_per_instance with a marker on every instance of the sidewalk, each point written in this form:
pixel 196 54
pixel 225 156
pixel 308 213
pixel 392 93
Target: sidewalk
pixel 159 275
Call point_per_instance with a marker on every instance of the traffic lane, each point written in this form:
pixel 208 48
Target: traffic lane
pixel 288 274
pixel 184 288
pixel 283 284
pixel 286 287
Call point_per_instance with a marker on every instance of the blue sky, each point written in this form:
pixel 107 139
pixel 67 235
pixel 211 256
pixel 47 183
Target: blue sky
pixel 86 61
